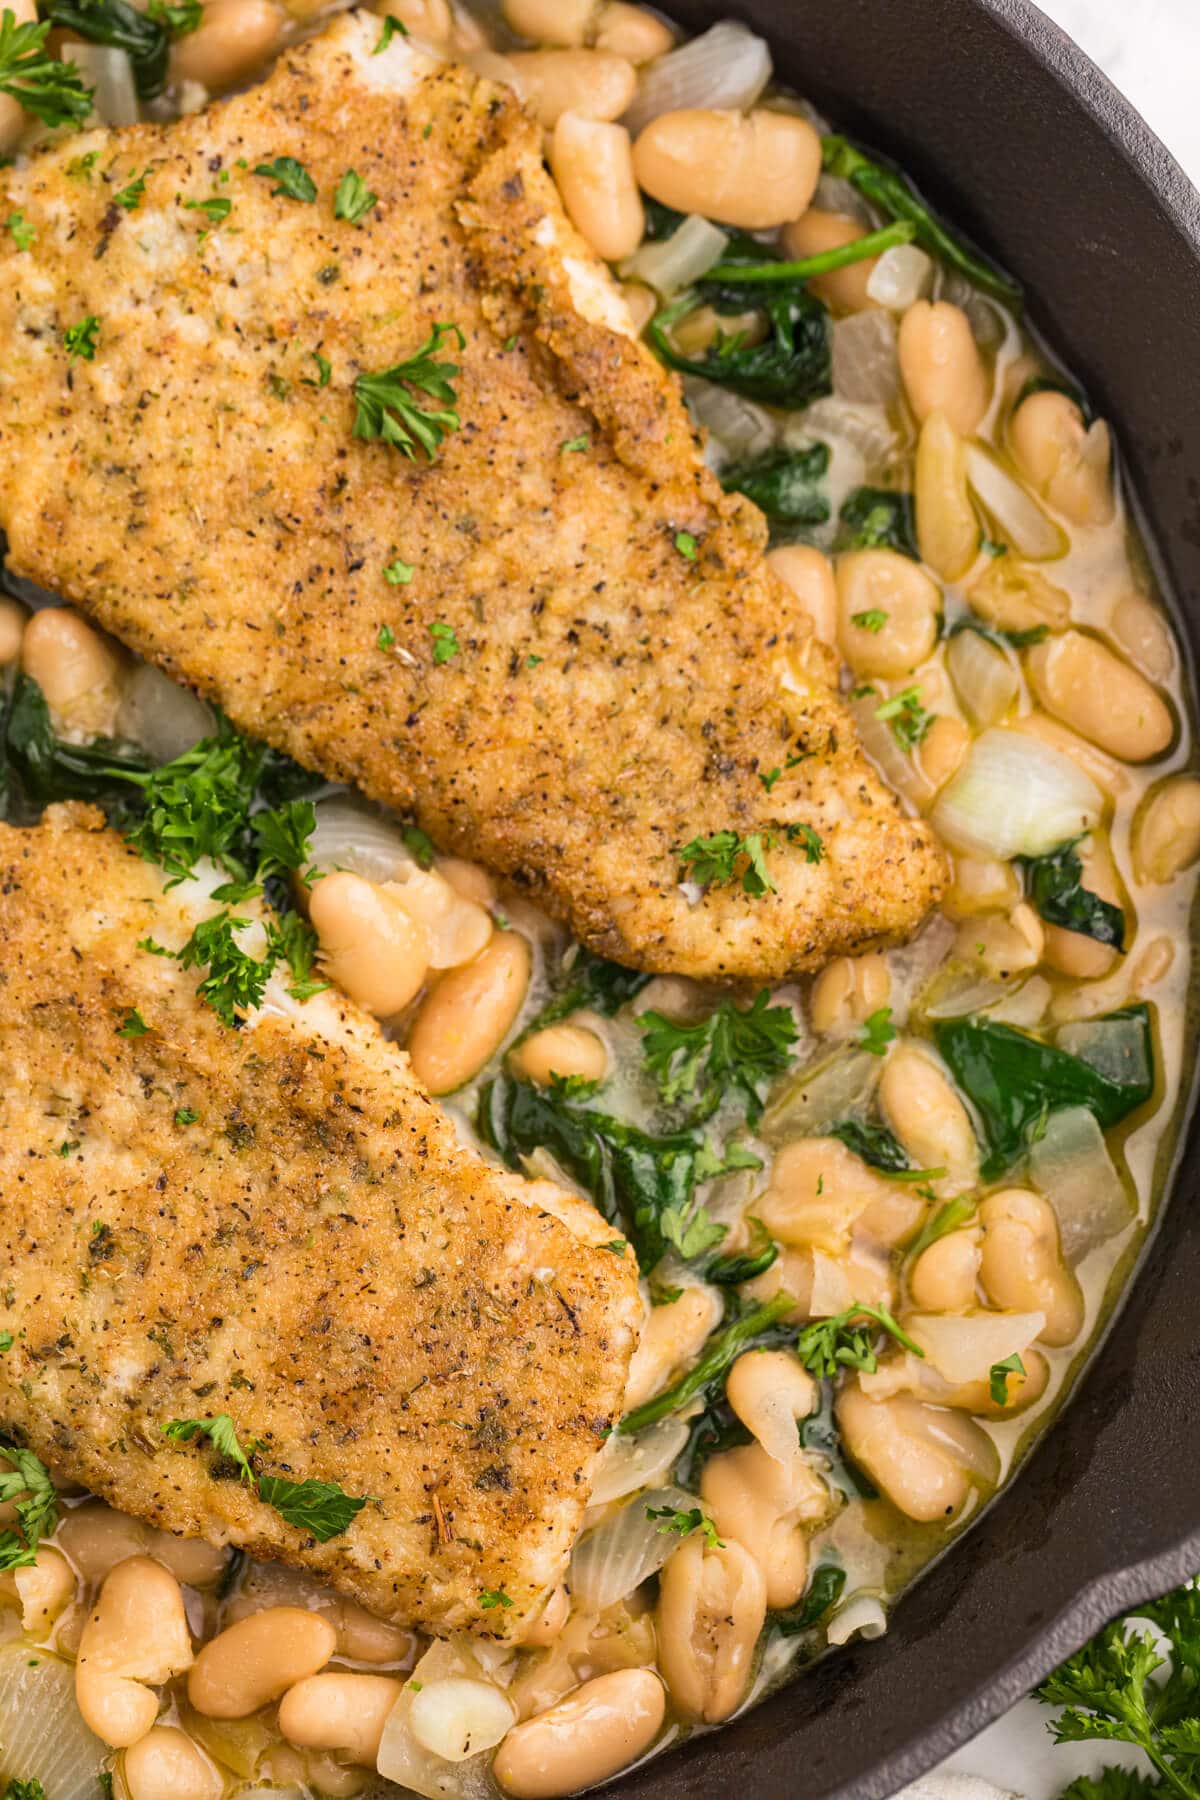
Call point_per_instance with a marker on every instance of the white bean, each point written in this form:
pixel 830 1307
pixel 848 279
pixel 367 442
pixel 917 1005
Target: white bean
pixel 711 1607
pixel 257 1660
pixel 339 1711
pixel 753 170
pixel 592 163
pixel 941 366
pixel 136 1636
pixel 596 1731
pixel 469 1013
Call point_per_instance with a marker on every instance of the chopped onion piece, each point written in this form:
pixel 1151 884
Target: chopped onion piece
pixel 830 1292
pixel 110 72
pixel 162 717
pixel 42 1733
pixel 676 262
pixel 347 836
pixel 1115 1048
pixel 984 676
pixel 1026 1004
pixel 403 1758
pixel 1015 796
pixel 961 993
pixel 866 429
pixel 609 1562
pixel 726 67
pixel 1071 1166
pixel 866 369
pixel 836 194
pixel 901 277
pixel 1018 515
pixel 735 425
pixel 965 1347
pixel 861 1616
pixel 820 1096
pixel 628 1463
pixel 458 1717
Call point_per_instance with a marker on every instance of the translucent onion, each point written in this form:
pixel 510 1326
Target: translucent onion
pixel 821 1095
pixel 629 1463
pixel 862 1616
pixel 866 370
pixel 967 1346
pixel 609 1563
pixel 836 194
pixel 983 675
pixel 867 429
pixel 1115 1048
pixel 110 72
pixel 830 1292
pixel 1026 1004
pixel 736 425
pixel 1018 515
pixel 404 1759
pixel 899 769
pixel 962 993
pixel 42 1734
pixel 162 717
pixel 1071 1166
pixel 1015 796
pixel 901 277
pixel 726 67
pixel 674 263
pixel 347 836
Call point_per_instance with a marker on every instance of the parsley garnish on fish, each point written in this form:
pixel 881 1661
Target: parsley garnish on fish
pixel 576 443
pixel 353 199
pixel 829 1345
pixel 445 644
pixel 26 1485
pixel 398 573
pixel 186 1115
pixel 736 1050
pixel 236 981
pixel 493 1597
pixel 389 411
pixel 810 838
pixel 132 1024
pixel 214 210
pixel 82 341
pixel 675 1519
pixel 319 1507
pixel 291 177
pixel 324 370
pixel 726 856
pixel 130 197
pixel 292 938
pixel 391 27
pixel 686 545
pixel 51 90
pixel 21 231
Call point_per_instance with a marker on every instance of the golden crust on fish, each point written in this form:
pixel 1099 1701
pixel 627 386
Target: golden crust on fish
pixel 615 694
pixel 312 1253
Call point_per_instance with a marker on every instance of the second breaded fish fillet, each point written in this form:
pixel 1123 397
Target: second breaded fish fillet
pixel 558 644
pixel 276 1224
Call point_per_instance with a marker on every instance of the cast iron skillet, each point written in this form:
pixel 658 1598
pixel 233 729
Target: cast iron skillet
pixel 1021 141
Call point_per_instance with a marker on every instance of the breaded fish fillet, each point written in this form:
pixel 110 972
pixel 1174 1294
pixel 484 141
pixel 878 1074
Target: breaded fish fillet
pixel 277 1224
pixel 614 667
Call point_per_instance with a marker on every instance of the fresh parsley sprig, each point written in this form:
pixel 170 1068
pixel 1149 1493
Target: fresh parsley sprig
pixel 321 1508
pixel 683 1522
pixel 353 199
pixel 734 1050
pixel 390 407
pixel 51 90
pixel 1113 1691
pixel 26 1482
pixel 829 1345
pixel 725 857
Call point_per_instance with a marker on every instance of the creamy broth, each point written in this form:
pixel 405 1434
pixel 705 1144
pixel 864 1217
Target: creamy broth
pixel 844 1539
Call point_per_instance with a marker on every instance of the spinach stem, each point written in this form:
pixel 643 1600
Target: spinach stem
pixel 901 231
pixel 720 1351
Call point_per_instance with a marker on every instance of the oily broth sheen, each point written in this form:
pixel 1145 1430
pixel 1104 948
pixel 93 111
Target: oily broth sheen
pixel 881 1549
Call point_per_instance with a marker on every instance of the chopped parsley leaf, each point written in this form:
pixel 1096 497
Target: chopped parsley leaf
pixel 582 442
pixel 491 1597
pixel 23 234
pixel 180 19
pixel 691 1229
pixel 829 1345
pixel 82 341
pixel 132 1024
pixel 324 370
pixel 419 845
pixel 390 412
pixel 736 1050
pixel 66 1147
pixel 391 28
pixel 7 1340
pixel 810 838
pixel 186 1115
pixel 130 197
pixel 386 638
pixel 236 981
pixel 291 938
pixel 353 199
pixel 673 1518
pixel 874 619
pixel 686 545
pixel 53 91
pixel 616 1247
pixel 908 718
pixel 320 1508
pixel 998 1376
pixel 445 644
pixel 27 1482
pixel 398 573
pixel 720 859
pixel 291 177
pixel 214 210
pixel 878 1031
pixel 221 1432
pixel 531 662
pixel 770 778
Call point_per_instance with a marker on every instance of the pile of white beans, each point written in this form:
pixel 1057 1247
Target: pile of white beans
pixel 204 1680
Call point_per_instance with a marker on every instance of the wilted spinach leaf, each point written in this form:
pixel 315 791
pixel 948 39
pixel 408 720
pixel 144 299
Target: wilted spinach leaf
pixel 785 484
pixel 875 1144
pixel 1015 1082
pixel 590 982
pixel 823 1592
pixel 1054 883
pixel 39 767
pixel 146 41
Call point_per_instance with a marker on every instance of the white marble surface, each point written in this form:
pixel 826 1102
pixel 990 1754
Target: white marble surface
pixel 1151 50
